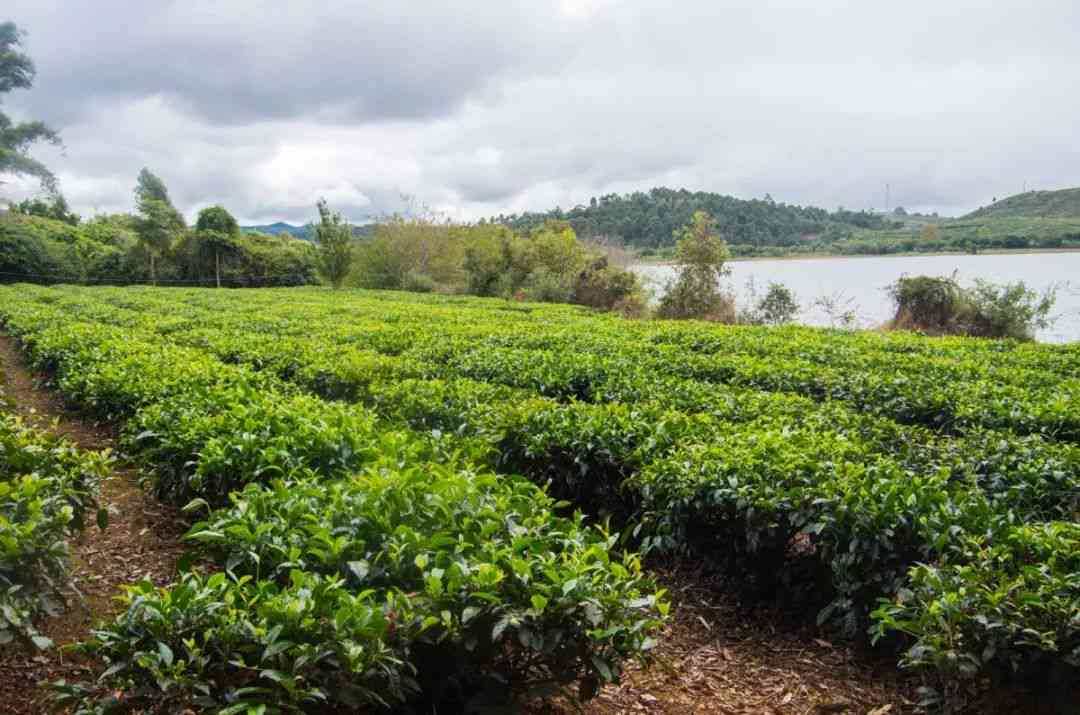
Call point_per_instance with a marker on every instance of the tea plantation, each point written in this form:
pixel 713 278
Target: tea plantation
pixel 414 499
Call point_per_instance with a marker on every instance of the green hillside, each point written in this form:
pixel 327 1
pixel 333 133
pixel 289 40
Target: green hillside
pixel 647 220
pixel 1064 203
pixel 305 232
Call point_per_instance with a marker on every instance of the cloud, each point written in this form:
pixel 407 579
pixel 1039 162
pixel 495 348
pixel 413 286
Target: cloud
pixel 484 107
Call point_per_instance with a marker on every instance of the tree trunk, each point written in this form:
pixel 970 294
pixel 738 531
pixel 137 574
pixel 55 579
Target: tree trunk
pixel 153 269
pixel 217 267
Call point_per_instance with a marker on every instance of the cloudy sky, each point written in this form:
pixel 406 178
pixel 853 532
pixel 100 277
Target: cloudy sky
pixel 478 108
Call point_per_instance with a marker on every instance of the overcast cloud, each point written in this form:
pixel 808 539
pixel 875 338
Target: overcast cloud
pixel 478 108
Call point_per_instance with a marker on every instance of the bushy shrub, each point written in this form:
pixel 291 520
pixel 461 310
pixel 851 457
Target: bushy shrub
pixel 47 490
pixel 777 307
pixel 417 282
pixel 701 256
pixel 941 306
pixel 545 286
pixel 605 286
pixel 1008 311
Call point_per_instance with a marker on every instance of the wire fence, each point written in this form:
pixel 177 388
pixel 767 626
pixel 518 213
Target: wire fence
pixel 233 282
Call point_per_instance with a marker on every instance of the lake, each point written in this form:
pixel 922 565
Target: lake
pixel 858 283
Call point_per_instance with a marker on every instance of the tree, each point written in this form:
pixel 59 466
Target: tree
pixel 216 233
pixel 701 258
pixel 17 72
pixel 56 208
pixel 159 223
pixel 333 236
pixel 778 306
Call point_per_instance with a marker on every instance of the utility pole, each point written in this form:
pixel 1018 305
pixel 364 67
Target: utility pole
pixel 887 198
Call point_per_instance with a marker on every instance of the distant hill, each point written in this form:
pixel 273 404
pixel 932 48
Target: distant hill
pixel 305 232
pixel 647 220
pixel 1064 203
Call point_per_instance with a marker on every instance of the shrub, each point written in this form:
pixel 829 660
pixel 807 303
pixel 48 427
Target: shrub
pixel 605 286
pixel 47 488
pixel 941 306
pixel 1008 311
pixel 777 307
pixel 701 257
pixel 546 286
pixel 417 282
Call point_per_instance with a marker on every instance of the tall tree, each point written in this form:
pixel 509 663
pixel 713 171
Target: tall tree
pixel 333 236
pixel 216 232
pixel 701 258
pixel 159 222
pixel 17 72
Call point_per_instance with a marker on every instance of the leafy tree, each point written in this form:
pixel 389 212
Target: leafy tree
pixel 650 219
pixel 555 258
pixel 701 258
pixel 333 236
pixel 420 248
pixel 216 233
pixel 55 208
pixel 494 260
pixel 159 223
pixel 17 72
pixel 778 305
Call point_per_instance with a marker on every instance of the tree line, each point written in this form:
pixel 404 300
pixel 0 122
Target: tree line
pixel 650 220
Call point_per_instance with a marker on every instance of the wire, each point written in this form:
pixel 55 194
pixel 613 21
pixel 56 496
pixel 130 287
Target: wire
pixel 209 282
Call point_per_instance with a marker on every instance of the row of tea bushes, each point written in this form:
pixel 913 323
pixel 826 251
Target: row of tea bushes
pixel 451 584
pixel 48 493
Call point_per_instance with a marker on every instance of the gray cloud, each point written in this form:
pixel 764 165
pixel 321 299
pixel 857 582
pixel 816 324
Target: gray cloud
pixel 478 108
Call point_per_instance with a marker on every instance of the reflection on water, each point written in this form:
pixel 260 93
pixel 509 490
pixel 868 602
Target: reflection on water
pixel 860 283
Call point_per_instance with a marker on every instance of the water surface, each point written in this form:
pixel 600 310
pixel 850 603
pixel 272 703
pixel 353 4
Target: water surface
pixel 858 283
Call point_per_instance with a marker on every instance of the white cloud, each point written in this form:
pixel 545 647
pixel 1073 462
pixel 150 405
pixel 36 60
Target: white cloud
pixel 488 107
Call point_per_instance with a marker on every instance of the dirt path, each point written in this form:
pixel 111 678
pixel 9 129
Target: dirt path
pixel 720 656
pixel 140 542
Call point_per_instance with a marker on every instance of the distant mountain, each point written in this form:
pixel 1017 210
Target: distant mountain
pixel 1064 203
pixel 647 219
pixel 305 232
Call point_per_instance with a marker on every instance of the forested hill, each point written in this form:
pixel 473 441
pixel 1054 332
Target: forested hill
pixel 648 219
pixel 306 232
pixel 1064 203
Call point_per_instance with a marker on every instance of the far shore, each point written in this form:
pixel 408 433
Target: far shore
pixel 909 254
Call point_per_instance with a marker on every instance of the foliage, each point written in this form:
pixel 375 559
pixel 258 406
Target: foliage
pixel 105 249
pixel 333 236
pixel 47 490
pixel 425 254
pixel 1064 203
pixel 700 257
pixel 608 287
pixel 1009 311
pixel 484 587
pixel 159 223
pixel 55 208
pixel 942 306
pixel 215 236
pixel 17 71
pixel 777 307
pixel 652 219
pixel 494 261
pixel 869 476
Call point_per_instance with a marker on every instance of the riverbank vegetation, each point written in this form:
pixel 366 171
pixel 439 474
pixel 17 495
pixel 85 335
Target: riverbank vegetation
pixel 941 306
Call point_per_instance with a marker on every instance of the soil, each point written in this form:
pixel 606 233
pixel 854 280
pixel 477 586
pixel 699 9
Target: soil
pixel 140 542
